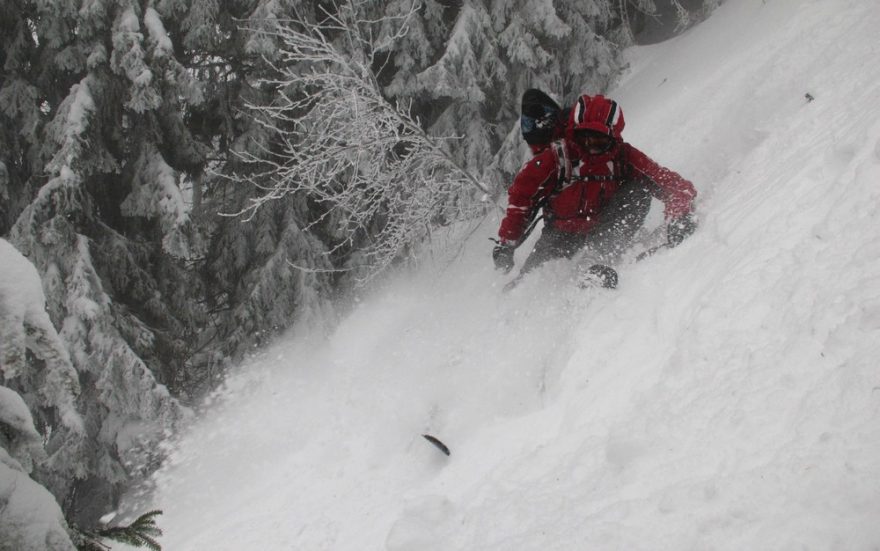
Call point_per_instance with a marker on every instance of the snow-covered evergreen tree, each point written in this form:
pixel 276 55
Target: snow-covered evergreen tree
pixel 655 20
pixel 250 287
pixel 33 363
pixel 484 53
pixel 32 520
pixel 24 81
pixel 105 231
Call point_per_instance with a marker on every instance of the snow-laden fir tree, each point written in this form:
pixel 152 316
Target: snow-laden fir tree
pixel 108 231
pixel 32 520
pixel 251 289
pixel 33 363
pixel 488 53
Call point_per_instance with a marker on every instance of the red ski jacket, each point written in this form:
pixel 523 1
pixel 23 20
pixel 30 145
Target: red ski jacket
pixel 574 203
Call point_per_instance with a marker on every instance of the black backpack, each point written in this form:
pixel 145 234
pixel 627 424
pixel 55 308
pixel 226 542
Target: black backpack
pixel 541 118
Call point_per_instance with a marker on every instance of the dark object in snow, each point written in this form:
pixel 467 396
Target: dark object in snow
pixel 540 120
pixel 440 445
pixel 680 229
pixel 650 252
pixel 502 255
pixel 599 275
pixel 809 97
pixel 676 232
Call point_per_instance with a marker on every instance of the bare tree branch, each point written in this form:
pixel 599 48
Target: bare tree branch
pixel 358 155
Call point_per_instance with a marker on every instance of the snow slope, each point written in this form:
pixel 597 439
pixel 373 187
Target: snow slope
pixel 726 396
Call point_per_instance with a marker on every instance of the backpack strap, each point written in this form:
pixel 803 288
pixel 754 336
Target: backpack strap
pixel 563 167
pixel 563 179
pixel 621 166
pixel 619 171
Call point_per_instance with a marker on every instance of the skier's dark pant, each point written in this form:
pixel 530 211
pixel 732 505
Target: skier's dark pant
pixel 608 240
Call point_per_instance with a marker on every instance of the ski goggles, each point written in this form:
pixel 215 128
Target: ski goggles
pixel 595 142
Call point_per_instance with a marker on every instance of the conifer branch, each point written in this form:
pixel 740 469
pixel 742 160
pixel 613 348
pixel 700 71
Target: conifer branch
pixel 140 533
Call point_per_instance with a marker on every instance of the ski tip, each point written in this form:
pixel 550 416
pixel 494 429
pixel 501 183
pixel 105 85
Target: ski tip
pixel 436 441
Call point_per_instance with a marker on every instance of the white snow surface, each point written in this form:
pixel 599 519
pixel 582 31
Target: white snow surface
pixel 725 397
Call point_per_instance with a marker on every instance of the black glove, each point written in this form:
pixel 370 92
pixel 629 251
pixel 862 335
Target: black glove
pixel 503 256
pixel 680 229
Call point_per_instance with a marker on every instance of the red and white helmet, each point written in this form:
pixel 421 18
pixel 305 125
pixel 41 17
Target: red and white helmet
pixel 599 114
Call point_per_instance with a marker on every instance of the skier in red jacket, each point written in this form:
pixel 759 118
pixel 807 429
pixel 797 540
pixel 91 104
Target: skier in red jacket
pixel 595 191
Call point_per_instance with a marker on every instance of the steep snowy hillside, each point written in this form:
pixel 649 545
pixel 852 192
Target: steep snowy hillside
pixel 726 396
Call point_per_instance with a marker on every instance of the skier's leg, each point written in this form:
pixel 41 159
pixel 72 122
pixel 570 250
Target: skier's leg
pixel 551 245
pixel 619 222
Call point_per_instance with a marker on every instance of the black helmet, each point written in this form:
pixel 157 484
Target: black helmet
pixel 539 117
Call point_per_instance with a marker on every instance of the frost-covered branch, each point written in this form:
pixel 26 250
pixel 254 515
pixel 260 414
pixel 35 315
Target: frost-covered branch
pixel 364 160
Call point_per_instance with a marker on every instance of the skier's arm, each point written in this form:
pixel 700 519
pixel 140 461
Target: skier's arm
pixel 524 194
pixel 676 193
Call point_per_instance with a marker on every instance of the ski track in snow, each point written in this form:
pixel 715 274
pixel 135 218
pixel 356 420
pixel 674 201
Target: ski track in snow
pixel 726 396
